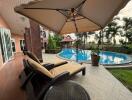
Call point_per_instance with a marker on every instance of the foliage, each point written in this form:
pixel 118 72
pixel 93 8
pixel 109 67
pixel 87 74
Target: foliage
pixel 99 37
pixel 57 38
pixel 130 46
pixel 51 43
pixel 79 40
pixel 122 42
pixel 124 75
pixel 78 43
pixel 111 30
pixel 54 41
pixel 82 38
pixel 127 27
pixel 95 51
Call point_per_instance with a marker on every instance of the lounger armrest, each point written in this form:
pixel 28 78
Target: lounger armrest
pixel 61 77
pixel 61 63
pixel 48 66
pixel 41 60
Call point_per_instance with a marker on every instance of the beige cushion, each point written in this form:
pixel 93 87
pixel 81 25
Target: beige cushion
pixel 40 68
pixel 54 60
pixel 70 67
pixel 33 56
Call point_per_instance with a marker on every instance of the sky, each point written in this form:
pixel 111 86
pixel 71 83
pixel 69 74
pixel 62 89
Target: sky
pixel 125 12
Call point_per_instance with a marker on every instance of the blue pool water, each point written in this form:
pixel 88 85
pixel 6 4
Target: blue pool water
pixel 106 57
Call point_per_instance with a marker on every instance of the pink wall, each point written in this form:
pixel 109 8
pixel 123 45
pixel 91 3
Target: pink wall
pixel 3 23
pixel 17 41
pixel 1 60
pixel 17 38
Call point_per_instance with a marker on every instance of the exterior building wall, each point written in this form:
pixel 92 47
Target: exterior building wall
pixel 17 39
pixel 1 60
pixel 3 24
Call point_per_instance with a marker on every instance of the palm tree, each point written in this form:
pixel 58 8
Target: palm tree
pixel 111 30
pixel 107 31
pixel 130 36
pixel 99 37
pixel 85 37
pixel 127 27
pixel 115 31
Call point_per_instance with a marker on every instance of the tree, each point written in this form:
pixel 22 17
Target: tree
pixel 57 38
pixel 127 27
pixel 85 37
pixel 111 30
pixel 99 37
pixel 130 36
pixel 51 43
pixel 79 40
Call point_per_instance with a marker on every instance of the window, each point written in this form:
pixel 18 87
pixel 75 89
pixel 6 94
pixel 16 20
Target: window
pixel 5 43
pixel 2 50
pixel 13 45
pixel 22 44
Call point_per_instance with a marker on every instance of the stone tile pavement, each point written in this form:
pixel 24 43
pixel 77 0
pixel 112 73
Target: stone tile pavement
pixel 99 83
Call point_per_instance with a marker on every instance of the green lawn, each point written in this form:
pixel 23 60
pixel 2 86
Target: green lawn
pixel 124 75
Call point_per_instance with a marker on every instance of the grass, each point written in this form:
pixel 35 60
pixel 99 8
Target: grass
pixel 123 75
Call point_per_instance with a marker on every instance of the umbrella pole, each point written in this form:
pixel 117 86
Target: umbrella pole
pixel 73 10
pixel 77 50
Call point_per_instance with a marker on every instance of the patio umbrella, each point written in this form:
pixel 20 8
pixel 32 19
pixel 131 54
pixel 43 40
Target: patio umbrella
pixel 72 16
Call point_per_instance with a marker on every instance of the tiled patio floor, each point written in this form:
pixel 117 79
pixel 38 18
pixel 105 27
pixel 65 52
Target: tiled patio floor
pixel 99 83
pixel 9 81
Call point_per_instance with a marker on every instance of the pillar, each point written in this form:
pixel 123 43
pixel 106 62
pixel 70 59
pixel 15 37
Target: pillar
pixel 32 39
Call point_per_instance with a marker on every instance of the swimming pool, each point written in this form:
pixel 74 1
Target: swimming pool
pixel 106 57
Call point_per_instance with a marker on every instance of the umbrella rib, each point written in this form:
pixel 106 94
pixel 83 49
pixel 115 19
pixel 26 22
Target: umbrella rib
pixel 80 4
pixel 48 9
pixel 76 19
pixel 59 10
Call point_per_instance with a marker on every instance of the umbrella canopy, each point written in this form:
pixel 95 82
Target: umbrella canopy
pixel 71 16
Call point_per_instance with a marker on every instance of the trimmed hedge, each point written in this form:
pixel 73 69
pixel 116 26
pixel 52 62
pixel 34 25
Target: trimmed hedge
pixel 126 50
pixel 52 51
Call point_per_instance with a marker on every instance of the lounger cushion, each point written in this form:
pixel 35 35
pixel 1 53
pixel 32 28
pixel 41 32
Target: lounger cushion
pixel 70 67
pixel 39 67
pixel 32 56
pixel 54 60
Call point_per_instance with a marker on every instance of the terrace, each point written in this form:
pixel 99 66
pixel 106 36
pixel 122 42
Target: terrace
pixel 111 80
pixel 99 83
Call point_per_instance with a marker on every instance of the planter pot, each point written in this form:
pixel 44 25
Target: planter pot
pixel 95 60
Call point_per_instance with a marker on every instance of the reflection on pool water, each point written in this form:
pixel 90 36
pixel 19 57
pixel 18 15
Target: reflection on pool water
pixel 107 57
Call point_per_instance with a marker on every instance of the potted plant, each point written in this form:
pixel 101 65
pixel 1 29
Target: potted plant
pixel 95 57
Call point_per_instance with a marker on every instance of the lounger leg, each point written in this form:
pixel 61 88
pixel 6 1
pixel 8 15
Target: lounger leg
pixel 84 71
pixel 29 77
